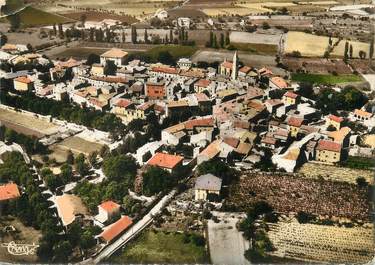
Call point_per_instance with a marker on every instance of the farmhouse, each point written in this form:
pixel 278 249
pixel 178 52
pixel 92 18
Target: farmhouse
pixel 107 210
pixel 205 185
pixel 170 163
pixel 23 83
pixel 117 56
pixel 328 151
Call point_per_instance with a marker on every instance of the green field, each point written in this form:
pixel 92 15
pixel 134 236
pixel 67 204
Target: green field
pixel 258 48
pixel 325 79
pixel 159 247
pixel 32 17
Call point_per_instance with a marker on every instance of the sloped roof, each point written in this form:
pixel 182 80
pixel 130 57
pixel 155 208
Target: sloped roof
pixel 114 53
pixel 329 146
pixel 165 160
pixel 109 206
pixel 208 182
pixel 116 228
pixel 9 191
pixel 68 206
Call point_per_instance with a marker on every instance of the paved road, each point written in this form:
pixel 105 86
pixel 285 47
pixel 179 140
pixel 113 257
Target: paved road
pixel 134 230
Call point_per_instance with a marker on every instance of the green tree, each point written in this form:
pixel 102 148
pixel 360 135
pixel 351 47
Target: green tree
pixel 219 169
pixel 62 251
pixel 81 166
pixel 119 167
pixel 156 180
pixel 222 40
pixel 371 48
pixel 227 39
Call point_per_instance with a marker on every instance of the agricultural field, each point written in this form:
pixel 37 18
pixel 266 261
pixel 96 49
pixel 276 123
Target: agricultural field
pixel 316 65
pixel 135 8
pixel 335 173
pixel 161 248
pixel 256 48
pixel 32 17
pixel 27 124
pixel 332 244
pixel 328 79
pixel 310 45
pixel 99 16
pixel 294 193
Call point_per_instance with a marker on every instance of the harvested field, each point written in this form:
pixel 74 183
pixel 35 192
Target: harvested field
pixel 79 145
pixel 99 16
pixel 316 65
pixel 27 124
pixel 186 12
pixel 334 173
pixel 246 37
pixel 288 193
pixel 310 242
pixel 310 45
pixel 363 66
pixel 229 11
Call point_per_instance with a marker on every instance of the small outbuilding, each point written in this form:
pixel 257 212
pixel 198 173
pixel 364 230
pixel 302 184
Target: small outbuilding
pixel 205 185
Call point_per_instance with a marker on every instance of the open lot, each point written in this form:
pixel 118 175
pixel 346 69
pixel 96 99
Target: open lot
pixel 334 173
pixel 161 248
pixel 227 244
pixel 310 242
pixel 22 235
pixel 26 124
pixel 79 145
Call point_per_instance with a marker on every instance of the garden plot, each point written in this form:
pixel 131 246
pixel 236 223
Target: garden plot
pixel 310 242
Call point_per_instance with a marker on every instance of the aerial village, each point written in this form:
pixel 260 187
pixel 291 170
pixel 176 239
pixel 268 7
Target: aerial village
pixel 109 146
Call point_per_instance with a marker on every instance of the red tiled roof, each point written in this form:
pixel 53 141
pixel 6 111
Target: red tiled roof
pixel 268 140
pixel 165 160
pixel 109 206
pixel 123 103
pixel 245 69
pixel 116 228
pixel 294 121
pixel 190 124
pixel 110 79
pixel 227 64
pixel 290 95
pixel 203 83
pixel 336 118
pixel 9 191
pixel 201 97
pixel 329 146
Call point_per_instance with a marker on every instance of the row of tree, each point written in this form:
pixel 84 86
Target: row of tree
pixel 223 42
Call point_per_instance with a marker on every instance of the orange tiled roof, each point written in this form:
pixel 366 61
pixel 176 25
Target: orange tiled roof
pixel 362 113
pixel 339 136
pixel 279 82
pixel 231 141
pixel 116 228
pixel 203 83
pixel 212 149
pixel 9 191
pixel 23 79
pixel 165 160
pixel 245 69
pixel 329 146
pixel 201 97
pixel 109 206
pixel 166 70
